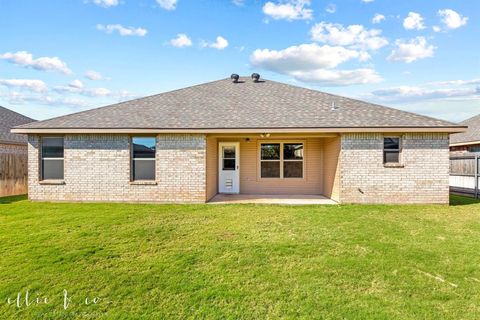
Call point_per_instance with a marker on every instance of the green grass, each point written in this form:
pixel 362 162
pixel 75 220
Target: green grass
pixel 241 261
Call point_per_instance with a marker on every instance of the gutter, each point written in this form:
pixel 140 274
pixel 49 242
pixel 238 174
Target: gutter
pixel 452 129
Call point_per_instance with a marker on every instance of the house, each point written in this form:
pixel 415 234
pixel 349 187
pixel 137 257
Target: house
pixel 468 141
pixel 246 136
pixel 13 154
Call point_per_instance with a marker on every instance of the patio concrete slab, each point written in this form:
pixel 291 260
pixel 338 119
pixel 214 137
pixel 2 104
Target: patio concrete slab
pixel 270 199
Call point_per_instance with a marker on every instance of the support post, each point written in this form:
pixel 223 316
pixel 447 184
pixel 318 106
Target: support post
pixel 477 175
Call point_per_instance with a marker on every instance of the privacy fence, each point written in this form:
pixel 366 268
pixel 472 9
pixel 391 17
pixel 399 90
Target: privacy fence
pixel 464 174
pixel 13 174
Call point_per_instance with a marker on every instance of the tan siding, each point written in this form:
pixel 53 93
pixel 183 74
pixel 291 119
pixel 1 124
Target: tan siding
pixel 212 167
pixel 331 168
pixel 250 183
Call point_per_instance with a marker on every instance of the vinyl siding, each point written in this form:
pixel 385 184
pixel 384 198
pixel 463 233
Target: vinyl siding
pixel 212 168
pixel 250 183
pixel 331 168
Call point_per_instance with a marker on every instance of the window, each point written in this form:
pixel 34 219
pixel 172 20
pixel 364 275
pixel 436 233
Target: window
pixel 270 160
pixel 391 150
pixel 293 160
pixel 229 158
pixel 474 149
pixel 52 158
pixel 143 158
pixel 281 160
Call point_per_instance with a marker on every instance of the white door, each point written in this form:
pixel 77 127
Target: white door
pixel 229 167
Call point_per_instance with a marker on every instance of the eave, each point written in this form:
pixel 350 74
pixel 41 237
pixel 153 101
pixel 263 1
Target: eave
pixel 445 129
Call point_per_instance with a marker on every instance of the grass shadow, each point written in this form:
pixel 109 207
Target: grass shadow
pixel 456 200
pixel 12 199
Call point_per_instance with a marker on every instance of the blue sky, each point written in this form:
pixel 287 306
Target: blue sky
pixel 59 57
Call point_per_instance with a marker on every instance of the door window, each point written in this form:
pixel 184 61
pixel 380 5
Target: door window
pixel 229 158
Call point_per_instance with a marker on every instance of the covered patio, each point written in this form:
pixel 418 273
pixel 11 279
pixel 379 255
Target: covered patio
pixel 270 199
pixel 281 168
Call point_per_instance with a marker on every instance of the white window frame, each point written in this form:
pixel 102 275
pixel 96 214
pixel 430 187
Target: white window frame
pixel 282 160
pixel 132 160
pixel 400 143
pixel 41 178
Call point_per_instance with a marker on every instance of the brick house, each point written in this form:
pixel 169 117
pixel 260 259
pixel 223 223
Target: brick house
pixel 240 136
pixel 468 141
pixel 13 154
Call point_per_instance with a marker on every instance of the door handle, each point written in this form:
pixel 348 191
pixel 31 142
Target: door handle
pixel 237 166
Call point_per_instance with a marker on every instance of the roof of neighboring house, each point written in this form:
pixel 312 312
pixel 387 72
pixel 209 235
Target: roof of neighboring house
pixel 472 134
pixel 8 120
pixel 224 105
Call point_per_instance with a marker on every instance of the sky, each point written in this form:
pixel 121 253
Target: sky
pixel 63 56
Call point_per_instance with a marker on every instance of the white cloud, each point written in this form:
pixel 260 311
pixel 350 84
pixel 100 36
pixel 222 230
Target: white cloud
pixel 123 31
pixel 76 84
pixel 167 4
pixel 31 85
pixel 356 36
pixel 24 58
pixel 454 100
pixel 338 77
pixel 367 1
pixel 455 82
pixel 303 57
pixel 452 19
pixel 22 98
pixel 377 18
pixel 90 92
pixel 106 3
pixel 413 21
pixel 93 75
pixel 238 2
pixel 331 8
pixel 410 93
pixel 314 63
pixel 220 43
pixel 436 29
pixel 411 50
pixel 182 40
pixel 288 10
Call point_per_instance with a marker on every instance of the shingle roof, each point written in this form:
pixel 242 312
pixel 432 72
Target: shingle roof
pixel 472 134
pixel 223 104
pixel 8 120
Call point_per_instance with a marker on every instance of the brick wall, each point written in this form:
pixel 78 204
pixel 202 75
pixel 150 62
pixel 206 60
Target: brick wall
pixel 424 177
pixel 97 168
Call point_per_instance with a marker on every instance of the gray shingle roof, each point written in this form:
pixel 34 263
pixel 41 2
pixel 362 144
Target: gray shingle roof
pixel 225 105
pixel 8 120
pixel 472 134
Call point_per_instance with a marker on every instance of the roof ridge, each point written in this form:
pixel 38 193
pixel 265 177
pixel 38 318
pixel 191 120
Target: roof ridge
pixel 474 118
pixel 122 102
pixel 16 113
pixel 248 105
pixel 361 101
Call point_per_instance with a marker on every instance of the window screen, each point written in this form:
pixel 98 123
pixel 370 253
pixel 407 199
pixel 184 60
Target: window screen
pixel 391 150
pixel 143 158
pixel 52 158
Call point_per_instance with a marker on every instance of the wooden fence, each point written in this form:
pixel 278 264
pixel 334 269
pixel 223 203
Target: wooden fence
pixel 13 174
pixel 465 175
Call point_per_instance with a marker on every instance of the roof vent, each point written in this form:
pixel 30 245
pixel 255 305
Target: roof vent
pixel 234 77
pixel 334 107
pixel 255 77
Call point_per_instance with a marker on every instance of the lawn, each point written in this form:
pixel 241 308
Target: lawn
pixel 239 261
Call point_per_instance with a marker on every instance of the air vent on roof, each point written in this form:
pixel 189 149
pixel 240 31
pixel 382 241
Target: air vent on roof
pixel 255 77
pixel 234 77
pixel 334 107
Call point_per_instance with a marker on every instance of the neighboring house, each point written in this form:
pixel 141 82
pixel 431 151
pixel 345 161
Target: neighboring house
pixel 244 136
pixel 13 154
pixel 468 141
